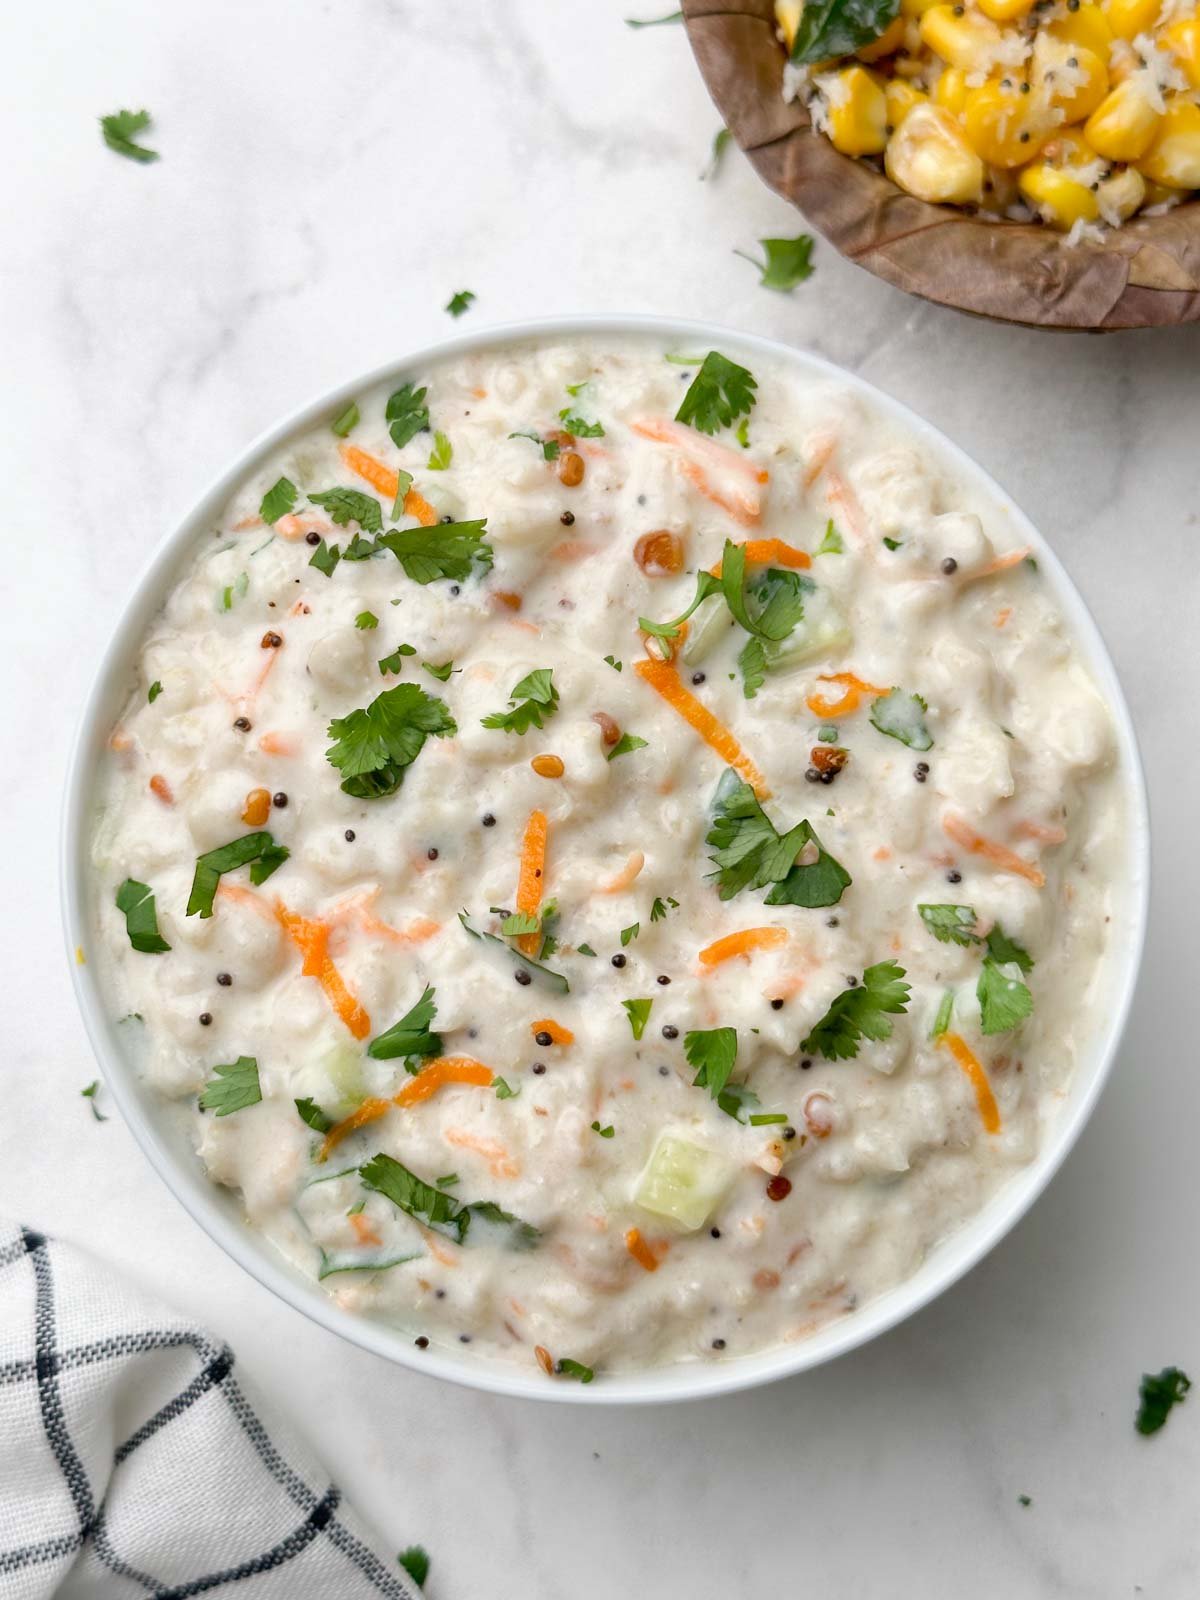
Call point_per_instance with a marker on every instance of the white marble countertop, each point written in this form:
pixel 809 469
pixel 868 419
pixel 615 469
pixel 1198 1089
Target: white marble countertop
pixel 330 173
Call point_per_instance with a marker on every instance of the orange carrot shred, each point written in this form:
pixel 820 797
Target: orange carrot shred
pixel 850 701
pixel 770 552
pixel 665 681
pixel 311 938
pixel 558 1034
pixel 1011 558
pixel 531 878
pixel 160 787
pixel 640 1250
pixel 369 1111
pixel 999 855
pixel 386 482
pixel 439 1072
pixel 364 1229
pixel 989 1111
pixel 742 943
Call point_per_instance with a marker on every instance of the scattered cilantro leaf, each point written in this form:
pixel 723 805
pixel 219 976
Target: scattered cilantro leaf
pixel 788 262
pixel 579 427
pixel 437 1210
pixel 902 716
pixel 234 1087
pixel 153 692
pixel 460 301
pixel 566 1368
pixel 520 922
pixel 717 155
pixel 415 1561
pixel 310 1112
pixel 136 901
pixel 548 447
pixel 828 734
pixel 251 850
pixel 89 1094
pixel 945 1015
pixel 118 129
pixel 626 743
pixel 441 673
pixel 447 1180
pixel 831 544
pixel 446 550
pixel 531 701
pixel 660 907
pixel 522 1235
pixel 892 544
pixel 748 853
pixel 554 980
pixel 840 27
pixel 653 22
pixel 638 1012
pixel 858 1013
pixel 442 453
pixel 742 433
pixel 1003 1001
pixel 1024 1500
pixel 584 950
pixel 325 558
pixel 346 420
pixel 236 589
pixel 629 934
pixel 395 662
pixel 404 482
pixel 764 1119
pixel 950 924
pixel 1002 949
pixel 411 1036
pixel 718 395
pixel 366 620
pixel 613 663
pixel 372 746
pixel 605 1133
pixel 752 664
pixel 359 549
pixel 1157 1394
pixel 504 1091
pixel 713 1053
pixel 407 413
pixel 350 505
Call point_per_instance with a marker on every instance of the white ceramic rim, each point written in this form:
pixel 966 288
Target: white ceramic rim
pixel 948 1262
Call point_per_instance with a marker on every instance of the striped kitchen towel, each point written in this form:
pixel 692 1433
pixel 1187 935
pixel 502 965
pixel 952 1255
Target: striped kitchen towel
pixel 133 1464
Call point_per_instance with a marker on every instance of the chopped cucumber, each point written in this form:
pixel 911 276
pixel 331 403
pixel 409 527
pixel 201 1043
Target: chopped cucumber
pixel 683 1181
pixel 708 626
pixel 343 1066
pixel 821 631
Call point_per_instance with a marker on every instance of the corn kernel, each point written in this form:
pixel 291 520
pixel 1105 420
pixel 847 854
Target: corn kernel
pixel 916 8
pixel 888 42
pixel 928 157
pixel 1088 26
pixel 1128 18
pixel 950 91
pixel 1183 41
pixel 1157 194
pixel 1072 78
pixel 969 41
pixel 787 15
pixel 1006 127
pixel 1121 195
pixel 901 97
pixel 857 113
pixel 1060 200
pixel 1174 157
pixel 1005 10
pixel 1123 125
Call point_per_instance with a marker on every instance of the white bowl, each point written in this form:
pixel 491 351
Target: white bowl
pixel 217 1210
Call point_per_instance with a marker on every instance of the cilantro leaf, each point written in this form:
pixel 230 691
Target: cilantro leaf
pixel 460 302
pixel 629 934
pixel 350 505
pixel 504 1091
pixel 638 1012
pixel 584 950
pixel 442 453
pixel 861 1012
pixel 579 427
pixel 831 544
pixel 1003 1001
pixel 153 692
pixel 346 420
pixel 404 481
pixel 750 854
pixel 410 1036
pixel 752 664
pixel 742 433
pixel 136 900
pixel 626 743
pixel 325 558
pixel 945 1015
pixel 1001 948
pixel 522 1235
pixel 256 850
pixel 950 924
pixel 788 262
pixel 892 544
pixel 310 1112
pixel 718 395
pixel 613 663
pixel 407 413
pixel 659 909
pixel 394 662
pixel 89 1094
pixel 366 620
pixel 415 1561
pixel 566 1368
pixel 520 922
pixel 554 979
pixel 235 1087
pixel 446 550
pixel 840 27
pixel 359 549
pixel 372 747
pixel 437 1210
pixel 441 673
pixel 531 700
pixel 713 1053
pixel 605 1133
pixel 548 447
pixel 717 155
pixel 279 501
pixel 901 716
pixel 118 129
pixel 1157 1393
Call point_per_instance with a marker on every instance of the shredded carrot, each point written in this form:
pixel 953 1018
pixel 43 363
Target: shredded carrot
pixel 558 1034
pixel 660 648
pixel 989 1112
pixel 160 787
pixel 819 460
pixel 531 877
pixel 239 893
pixel 439 1072
pixel 293 527
pixel 843 499
pixel 369 1111
pixel 364 1228
pixel 881 853
pixel 741 508
pixel 267 668
pixel 743 943
pixel 1048 833
pixel 568 550
pixel 243 523
pixel 507 598
pixel 311 938
pixel 1011 558
pixel 640 1250
pixel 386 482
pixel 665 681
pixel 999 855
pixel 277 744
pixel 850 701
pixel 626 876
pixel 438 1248
pixel 770 552
pixel 1002 617
pixel 500 1163
pixel 697 452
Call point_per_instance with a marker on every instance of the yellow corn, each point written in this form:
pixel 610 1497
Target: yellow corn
pixel 901 97
pixel 1128 18
pixel 1072 78
pixel 1183 41
pixel 1006 127
pixel 1088 26
pixel 888 42
pixel 928 157
pixel 1157 194
pixel 857 113
pixel 1059 199
pixel 1121 195
pixel 968 41
pixel 916 8
pixel 1123 125
pixel 787 15
pixel 1174 157
pixel 1005 10
pixel 950 91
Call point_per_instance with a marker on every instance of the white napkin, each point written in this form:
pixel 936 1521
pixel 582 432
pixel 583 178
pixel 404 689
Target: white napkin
pixel 132 1463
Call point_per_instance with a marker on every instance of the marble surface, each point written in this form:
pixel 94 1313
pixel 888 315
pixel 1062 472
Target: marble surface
pixel 330 173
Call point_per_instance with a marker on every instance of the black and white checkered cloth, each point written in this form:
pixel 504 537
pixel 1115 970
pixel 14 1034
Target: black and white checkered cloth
pixel 132 1463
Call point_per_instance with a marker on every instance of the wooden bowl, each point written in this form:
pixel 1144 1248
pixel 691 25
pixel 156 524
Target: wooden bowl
pixel 1143 275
